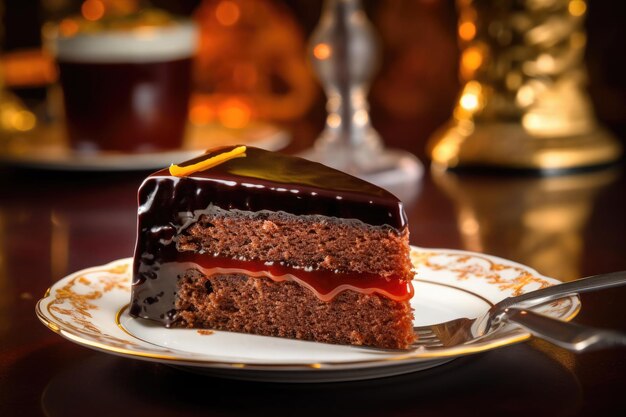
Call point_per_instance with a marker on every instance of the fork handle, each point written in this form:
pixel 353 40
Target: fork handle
pixel 592 283
pixel 571 336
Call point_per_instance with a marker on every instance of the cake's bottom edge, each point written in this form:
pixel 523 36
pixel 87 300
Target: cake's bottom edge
pixel 261 306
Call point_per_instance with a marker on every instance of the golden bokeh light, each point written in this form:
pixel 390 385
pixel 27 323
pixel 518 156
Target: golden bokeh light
pixel 234 114
pixel 525 96
pixel 472 58
pixel 201 114
pixel 467 31
pixel 577 7
pixel 469 225
pixel 322 51
pixel 227 13
pixel 20 120
pixel 333 120
pixel 27 68
pixel 513 80
pixel 360 118
pixel 469 101
pixel 68 27
pixel 472 97
pixel 93 10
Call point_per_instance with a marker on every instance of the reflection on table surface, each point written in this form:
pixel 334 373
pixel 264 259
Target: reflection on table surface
pixel 536 221
pixel 80 382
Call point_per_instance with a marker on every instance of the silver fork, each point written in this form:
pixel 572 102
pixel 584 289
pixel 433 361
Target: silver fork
pixel 571 336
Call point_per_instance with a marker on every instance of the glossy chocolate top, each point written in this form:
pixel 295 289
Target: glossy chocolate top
pixel 264 180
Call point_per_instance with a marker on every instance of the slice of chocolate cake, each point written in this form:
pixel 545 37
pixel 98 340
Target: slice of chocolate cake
pixel 273 245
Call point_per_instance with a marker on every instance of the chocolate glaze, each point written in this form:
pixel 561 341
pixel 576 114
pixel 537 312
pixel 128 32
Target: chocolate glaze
pixel 260 181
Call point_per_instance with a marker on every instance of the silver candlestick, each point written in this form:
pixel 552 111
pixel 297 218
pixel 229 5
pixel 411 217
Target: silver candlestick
pixel 344 53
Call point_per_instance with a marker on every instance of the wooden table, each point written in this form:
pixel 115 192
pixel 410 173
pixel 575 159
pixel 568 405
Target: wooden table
pixel 55 223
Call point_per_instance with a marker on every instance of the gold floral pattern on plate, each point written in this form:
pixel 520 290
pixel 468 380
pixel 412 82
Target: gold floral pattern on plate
pixel 72 304
pixel 89 307
pixel 465 266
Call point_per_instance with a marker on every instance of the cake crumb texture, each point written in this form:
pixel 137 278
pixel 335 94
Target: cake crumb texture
pixel 302 241
pixel 239 303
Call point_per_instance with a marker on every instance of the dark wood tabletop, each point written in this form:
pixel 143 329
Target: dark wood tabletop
pixel 54 223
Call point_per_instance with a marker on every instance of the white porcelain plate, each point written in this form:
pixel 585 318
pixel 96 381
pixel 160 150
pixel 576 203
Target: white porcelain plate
pixel 89 307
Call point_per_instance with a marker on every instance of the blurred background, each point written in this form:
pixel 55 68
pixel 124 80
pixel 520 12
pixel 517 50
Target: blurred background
pixel 267 77
pixel 253 73
pixel 253 68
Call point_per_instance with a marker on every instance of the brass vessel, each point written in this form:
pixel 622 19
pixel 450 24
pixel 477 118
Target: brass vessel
pixel 523 104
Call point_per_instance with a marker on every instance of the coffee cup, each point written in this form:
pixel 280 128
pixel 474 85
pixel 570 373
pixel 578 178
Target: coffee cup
pixel 126 89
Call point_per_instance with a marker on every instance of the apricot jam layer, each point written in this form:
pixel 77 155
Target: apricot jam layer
pixel 325 284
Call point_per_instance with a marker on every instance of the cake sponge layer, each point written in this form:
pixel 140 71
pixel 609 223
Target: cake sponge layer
pixel 301 241
pixel 261 306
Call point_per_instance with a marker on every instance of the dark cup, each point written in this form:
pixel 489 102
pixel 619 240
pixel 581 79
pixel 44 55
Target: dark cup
pixel 127 90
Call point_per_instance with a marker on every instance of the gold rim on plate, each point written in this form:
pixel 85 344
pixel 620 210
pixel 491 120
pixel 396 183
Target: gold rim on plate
pixel 120 270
